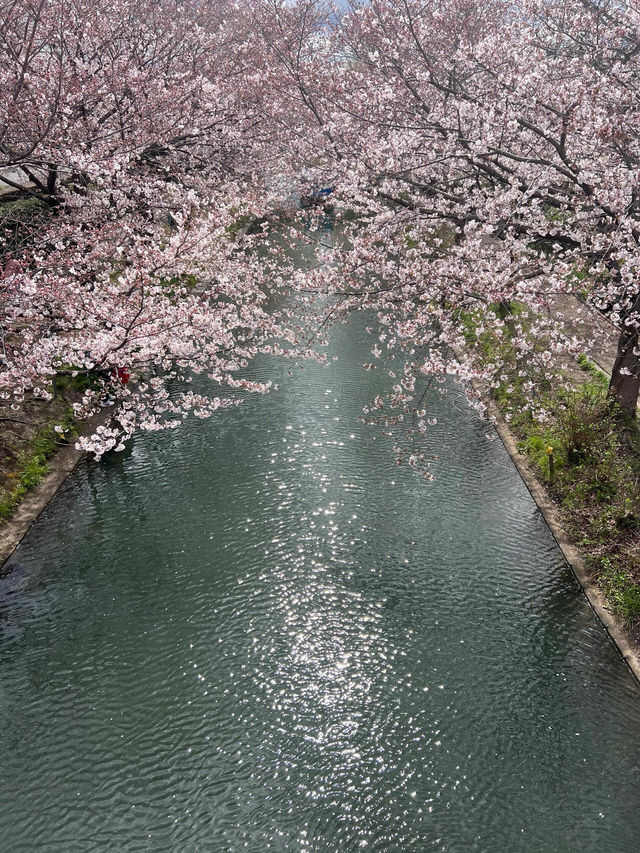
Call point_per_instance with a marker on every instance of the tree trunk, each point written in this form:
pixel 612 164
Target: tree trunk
pixel 52 177
pixel 625 377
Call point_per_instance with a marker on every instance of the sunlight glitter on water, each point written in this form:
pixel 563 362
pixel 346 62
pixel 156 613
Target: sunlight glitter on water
pixel 261 634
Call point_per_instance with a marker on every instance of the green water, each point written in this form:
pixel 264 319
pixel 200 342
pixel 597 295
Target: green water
pixel 258 633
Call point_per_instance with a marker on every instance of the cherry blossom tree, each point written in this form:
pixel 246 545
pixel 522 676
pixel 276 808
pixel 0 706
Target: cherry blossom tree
pixel 128 128
pixel 490 150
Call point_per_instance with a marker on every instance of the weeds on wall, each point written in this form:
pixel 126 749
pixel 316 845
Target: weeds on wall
pixel 33 463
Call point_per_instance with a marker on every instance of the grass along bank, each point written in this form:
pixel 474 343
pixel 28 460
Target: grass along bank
pixel 26 465
pixel 575 444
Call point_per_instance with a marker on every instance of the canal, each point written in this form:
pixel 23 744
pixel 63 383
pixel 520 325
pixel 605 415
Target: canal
pixel 258 633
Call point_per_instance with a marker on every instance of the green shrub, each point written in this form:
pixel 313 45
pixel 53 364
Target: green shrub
pixel 582 422
pixel 600 379
pixel 621 592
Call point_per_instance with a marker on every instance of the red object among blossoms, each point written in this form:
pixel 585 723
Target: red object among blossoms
pixel 123 374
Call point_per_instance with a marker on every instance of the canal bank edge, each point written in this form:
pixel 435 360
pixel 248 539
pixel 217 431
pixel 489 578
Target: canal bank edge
pixel 61 465
pixel 627 648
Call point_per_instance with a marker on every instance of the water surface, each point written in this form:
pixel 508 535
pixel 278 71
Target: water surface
pixel 258 633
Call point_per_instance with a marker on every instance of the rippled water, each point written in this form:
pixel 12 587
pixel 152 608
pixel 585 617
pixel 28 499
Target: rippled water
pixel 259 634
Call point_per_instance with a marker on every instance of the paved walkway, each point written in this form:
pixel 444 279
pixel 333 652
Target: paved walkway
pixel 15 175
pixel 587 325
